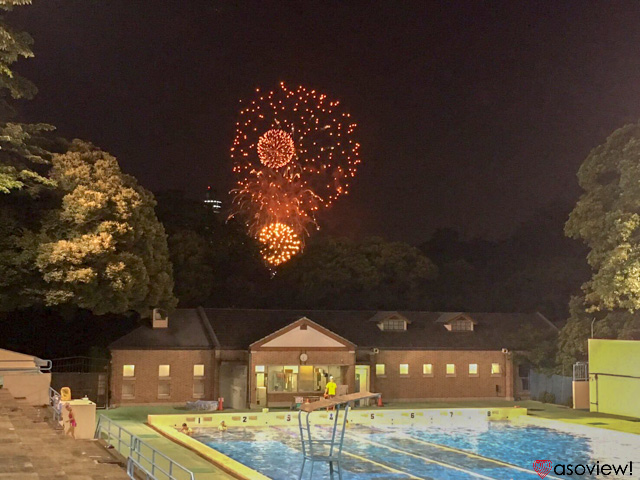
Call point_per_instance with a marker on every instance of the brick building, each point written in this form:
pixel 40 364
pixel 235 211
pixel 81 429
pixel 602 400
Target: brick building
pixel 269 357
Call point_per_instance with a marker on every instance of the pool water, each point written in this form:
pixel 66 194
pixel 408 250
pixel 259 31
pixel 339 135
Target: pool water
pixel 487 450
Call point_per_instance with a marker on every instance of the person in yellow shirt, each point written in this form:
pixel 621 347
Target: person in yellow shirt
pixel 330 389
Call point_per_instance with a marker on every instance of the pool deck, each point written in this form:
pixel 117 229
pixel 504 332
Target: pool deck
pixel 134 419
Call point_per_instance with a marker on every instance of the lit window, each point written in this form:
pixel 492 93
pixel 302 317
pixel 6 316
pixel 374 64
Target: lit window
pixel 128 389
pixel 164 370
pixel 462 325
pixel 394 324
pixel 495 369
pixel 404 369
pixel 259 368
pixel 380 369
pixel 198 370
pixel 283 378
pixel 164 390
pixel 473 369
pixel 451 369
pixel 128 370
pixel 427 369
pixel 198 388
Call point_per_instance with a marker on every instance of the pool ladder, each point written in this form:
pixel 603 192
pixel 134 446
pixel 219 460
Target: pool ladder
pixel 315 450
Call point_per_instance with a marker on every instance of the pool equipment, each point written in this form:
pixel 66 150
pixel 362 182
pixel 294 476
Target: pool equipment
pixel 323 450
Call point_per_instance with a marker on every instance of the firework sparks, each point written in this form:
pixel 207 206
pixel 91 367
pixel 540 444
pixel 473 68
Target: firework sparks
pixel 276 148
pixel 279 243
pixel 294 153
pixel 322 132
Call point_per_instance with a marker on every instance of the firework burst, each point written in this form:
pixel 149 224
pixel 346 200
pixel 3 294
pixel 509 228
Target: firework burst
pixel 279 243
pixel 294 153
pixel 276 148
pixel 321 131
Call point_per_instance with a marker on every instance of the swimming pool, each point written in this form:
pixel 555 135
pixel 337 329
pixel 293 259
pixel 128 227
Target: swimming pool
pixel 477 450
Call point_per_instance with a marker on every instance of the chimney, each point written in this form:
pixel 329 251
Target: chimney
pixel 159 318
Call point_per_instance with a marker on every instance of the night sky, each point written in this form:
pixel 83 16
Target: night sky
pixel 472 115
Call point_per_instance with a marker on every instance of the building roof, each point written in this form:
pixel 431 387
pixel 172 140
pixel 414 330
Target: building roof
pixel 188 329
pixel 239 328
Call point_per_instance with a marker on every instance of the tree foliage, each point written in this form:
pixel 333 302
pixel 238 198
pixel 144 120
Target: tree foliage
pixel 535 269
pixel 340 273
pixel 215 263
pixel 103 249
pixel 24 148
pixel 607 219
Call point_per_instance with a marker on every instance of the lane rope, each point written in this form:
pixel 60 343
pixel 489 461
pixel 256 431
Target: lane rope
pixel 473 455
pixel 382 465
pixel 424 459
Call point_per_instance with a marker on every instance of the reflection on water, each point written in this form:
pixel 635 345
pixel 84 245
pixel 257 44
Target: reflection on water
pixel 491 450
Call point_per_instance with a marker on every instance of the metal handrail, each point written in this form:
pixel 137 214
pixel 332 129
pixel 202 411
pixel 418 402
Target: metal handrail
pixel 55 404
pixel 132 466
pixel 43 365
pixel 147 461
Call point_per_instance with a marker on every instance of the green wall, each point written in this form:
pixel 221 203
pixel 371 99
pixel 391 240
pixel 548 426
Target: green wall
pixel 619 394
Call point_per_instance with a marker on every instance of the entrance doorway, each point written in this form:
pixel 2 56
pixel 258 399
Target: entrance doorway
pixel 362 381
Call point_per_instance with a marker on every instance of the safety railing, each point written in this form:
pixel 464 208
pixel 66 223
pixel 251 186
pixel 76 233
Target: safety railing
pixel 28 365
pixel 141 456
pixel 135 470
pixel 55 405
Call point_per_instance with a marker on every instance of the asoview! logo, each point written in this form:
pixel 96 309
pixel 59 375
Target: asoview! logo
pixel 543 467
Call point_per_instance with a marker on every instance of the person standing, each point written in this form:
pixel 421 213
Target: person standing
pixel 71 420
pixel 330 389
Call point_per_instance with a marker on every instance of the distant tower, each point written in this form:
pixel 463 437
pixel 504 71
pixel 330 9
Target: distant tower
pixel 211 202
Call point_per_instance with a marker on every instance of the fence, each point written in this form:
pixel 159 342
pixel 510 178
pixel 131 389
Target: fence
pixel 141 457
pixel 559 386
pixel 85 376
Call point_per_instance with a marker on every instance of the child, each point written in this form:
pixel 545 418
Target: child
pixel 72 421
pixel 186 430
pixel 222 427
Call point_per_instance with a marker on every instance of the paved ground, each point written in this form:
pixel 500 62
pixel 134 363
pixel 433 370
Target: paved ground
pixel 546 410
pixel 31 449
pixel 135 425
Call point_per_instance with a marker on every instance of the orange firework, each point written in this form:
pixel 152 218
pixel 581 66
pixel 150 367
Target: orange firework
pixel 279 243
pixel 276 148
pixel 322 132
pixel 294 152
pixel 273 198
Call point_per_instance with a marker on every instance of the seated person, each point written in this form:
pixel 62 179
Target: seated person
pixel 186 430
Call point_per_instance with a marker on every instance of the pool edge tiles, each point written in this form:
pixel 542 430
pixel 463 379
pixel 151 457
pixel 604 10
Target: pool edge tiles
pixel 367 417
pixel 227 464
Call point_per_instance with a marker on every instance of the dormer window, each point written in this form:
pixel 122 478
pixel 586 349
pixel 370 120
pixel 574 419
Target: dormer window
pixel 390 321
pixel 462 325
pixel 457 322
pixel 395 324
